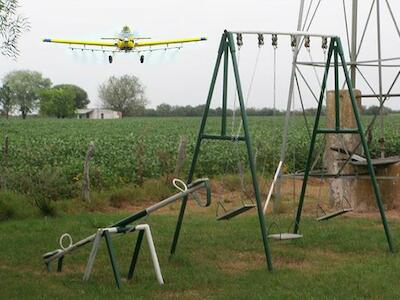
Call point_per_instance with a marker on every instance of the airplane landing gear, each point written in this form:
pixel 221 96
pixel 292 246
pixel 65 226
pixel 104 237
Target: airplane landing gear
pixel 141 59
pixel 110 59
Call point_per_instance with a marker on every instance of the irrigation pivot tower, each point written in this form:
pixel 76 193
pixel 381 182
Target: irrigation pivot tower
pixel 307 12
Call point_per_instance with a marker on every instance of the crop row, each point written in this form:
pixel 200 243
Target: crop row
pixel 42 150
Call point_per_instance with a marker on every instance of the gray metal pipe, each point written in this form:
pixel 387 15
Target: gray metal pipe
pixel 353 49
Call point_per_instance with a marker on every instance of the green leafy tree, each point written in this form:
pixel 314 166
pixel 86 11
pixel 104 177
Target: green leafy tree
pixel 6 100
pixel 57 102
pixel 25 86
pixel 375 110
pixel 164 109
pixel 125 94
pixel 12 25
pixel 81 97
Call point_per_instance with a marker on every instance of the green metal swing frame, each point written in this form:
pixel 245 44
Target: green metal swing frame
pixel 336 51
pixel 227 48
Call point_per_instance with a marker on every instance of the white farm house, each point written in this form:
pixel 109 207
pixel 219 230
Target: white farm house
pixel 98 113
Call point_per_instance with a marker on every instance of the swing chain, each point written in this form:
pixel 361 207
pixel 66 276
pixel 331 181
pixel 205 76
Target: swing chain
pixel 219 204
pixel 239 40
pixel 318 209
pixel 275 41
pixel 344 199
pixel 307 42
pixel 260 40
pixel 293 42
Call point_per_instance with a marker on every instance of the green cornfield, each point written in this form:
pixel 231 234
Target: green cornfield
pixel 42 150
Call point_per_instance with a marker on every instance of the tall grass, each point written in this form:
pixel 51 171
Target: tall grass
pixel 15 206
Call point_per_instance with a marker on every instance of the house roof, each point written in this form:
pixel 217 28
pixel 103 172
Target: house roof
pixel 88 110
pixel 84 111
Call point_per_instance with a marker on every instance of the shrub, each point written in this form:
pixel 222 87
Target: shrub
pixel 151 191
pixel 154 190
pixel 47 185
pixel 46 207
pixel 15 206
pixel 118 198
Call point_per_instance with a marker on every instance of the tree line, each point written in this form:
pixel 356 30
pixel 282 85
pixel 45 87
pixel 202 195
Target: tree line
pixel 167 110
pixel 26 92
pixel 29 91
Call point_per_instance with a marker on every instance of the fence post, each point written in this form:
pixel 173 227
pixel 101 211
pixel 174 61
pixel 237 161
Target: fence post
pixel 180 161
pixel 4 163
pixel 86 176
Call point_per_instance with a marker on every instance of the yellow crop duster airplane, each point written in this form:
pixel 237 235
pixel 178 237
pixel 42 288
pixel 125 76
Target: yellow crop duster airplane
pixel 126 42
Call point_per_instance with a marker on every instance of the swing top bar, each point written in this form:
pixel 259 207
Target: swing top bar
pixel 294 33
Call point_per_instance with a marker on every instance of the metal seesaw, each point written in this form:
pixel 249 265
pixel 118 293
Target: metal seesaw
pixel 123 226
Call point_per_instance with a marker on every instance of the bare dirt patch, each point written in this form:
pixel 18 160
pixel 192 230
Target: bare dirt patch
pixel 247 261
pixel 233 198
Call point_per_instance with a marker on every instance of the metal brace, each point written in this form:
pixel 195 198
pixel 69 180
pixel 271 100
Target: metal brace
pixel 239 40
pixel 275 41
pixel 307 42
pixel 293 42
pixel 260 40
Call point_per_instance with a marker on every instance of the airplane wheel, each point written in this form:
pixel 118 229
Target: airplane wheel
pixel 142 59
pixel 110 59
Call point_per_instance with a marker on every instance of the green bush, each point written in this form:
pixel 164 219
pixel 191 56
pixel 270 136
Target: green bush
pixel 119 198
pixel 15 206
pixel 48 185
pixel 152 190
pixel 46 207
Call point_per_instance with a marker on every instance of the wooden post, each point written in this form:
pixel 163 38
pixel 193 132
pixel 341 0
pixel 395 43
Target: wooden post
pixel 340 188
pixel 4 163
pixel 180 161
pixel 86 177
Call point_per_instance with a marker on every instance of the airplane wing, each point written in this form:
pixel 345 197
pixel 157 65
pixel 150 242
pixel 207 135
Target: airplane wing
pixel 78 42
pixel 168 42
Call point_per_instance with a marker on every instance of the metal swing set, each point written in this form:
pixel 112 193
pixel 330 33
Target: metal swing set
pixel 226 52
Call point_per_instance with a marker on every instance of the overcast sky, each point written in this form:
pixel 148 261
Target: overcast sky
pixel 183 78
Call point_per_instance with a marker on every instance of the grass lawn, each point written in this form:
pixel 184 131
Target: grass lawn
pixel 346 257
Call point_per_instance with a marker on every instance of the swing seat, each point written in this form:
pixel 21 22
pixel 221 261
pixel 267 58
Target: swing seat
pixel 236 211
pixel 334 214
pixel 285 236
